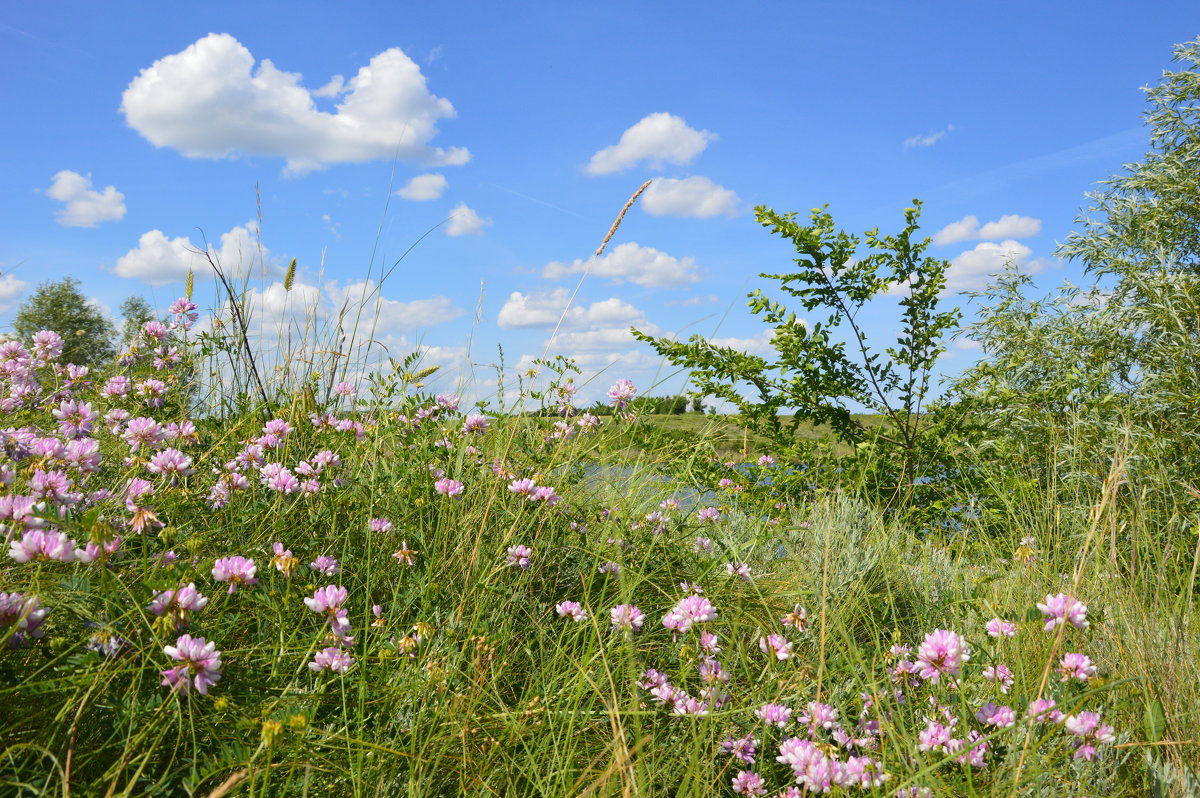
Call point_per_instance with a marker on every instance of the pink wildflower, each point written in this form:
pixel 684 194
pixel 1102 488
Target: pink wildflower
pixel 522 487
pixel 37 544
pixel 236 570
pixel 380 525
pixel 739 569
pixel 1076 666
pixel 774 714
pixel 742 749
pixel 999 674
pixel 1000 716
pixel 170 462
pixel 626 616
pixel 448 487
pixel 817 716
pixel 1087 727
pixel 747 782
pixel 776 646
pixel 942 652
pixel 284 561
pixel 1061 609
pixel 279 479
pixel 572 610
pixel 328 601
pixel 1041 710
pixel 935 737
pixel 545 494
pixel 47 345
pixel 324 564
pixel 179 603
pixel 797 619
pixel 25 613
pixel 621 393
pixel 518 555
pixel 405 555
pixel 331 659
pixel 709 515
pixel 690 611
pixel 200 664
pixel 998 627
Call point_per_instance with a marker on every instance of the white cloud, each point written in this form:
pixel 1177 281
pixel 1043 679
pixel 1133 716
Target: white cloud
pixel 927 140
pixel 159 260
pixel 1006 227
pixel 964 229
pixel 544 309
pixel 630 262
pixel 1010 226
pixel 424 187
pixel 335 87
pixel 308 315
pixel 657 138
pixel 211 101
pixel 83 206
pixel 464 221
pixel 972 269
pixel 102 308
pixel 11 290
pixel 390 314
pixel 696 197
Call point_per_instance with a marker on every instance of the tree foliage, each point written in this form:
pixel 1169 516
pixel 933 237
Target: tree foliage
pixel 60 306
pixel 819 370
pixel 1071 379
pixel 135 312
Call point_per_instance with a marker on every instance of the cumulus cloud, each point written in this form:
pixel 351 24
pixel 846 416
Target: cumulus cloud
pixel 972 269
pixel 928 140
pixel 82 206
pixel 11 290
pixel 1008 226
pixel 307 318
pixel 630 262
pixel 464 221
pixel 424 187
pixel 697 197
pixel 657 139
pixel 544 309
pixel 390 314
pixel 574 341
pixel 159 260
pixel 964 229
pixel 212 101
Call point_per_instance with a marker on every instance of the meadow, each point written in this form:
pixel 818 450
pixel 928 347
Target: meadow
pixel 372 590
pixel 237 566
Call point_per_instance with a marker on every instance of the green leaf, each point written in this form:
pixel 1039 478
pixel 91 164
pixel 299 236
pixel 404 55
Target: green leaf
pixel 1155 722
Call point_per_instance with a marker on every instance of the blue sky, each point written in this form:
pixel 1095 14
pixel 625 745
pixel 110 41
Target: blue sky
pixel 135 131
